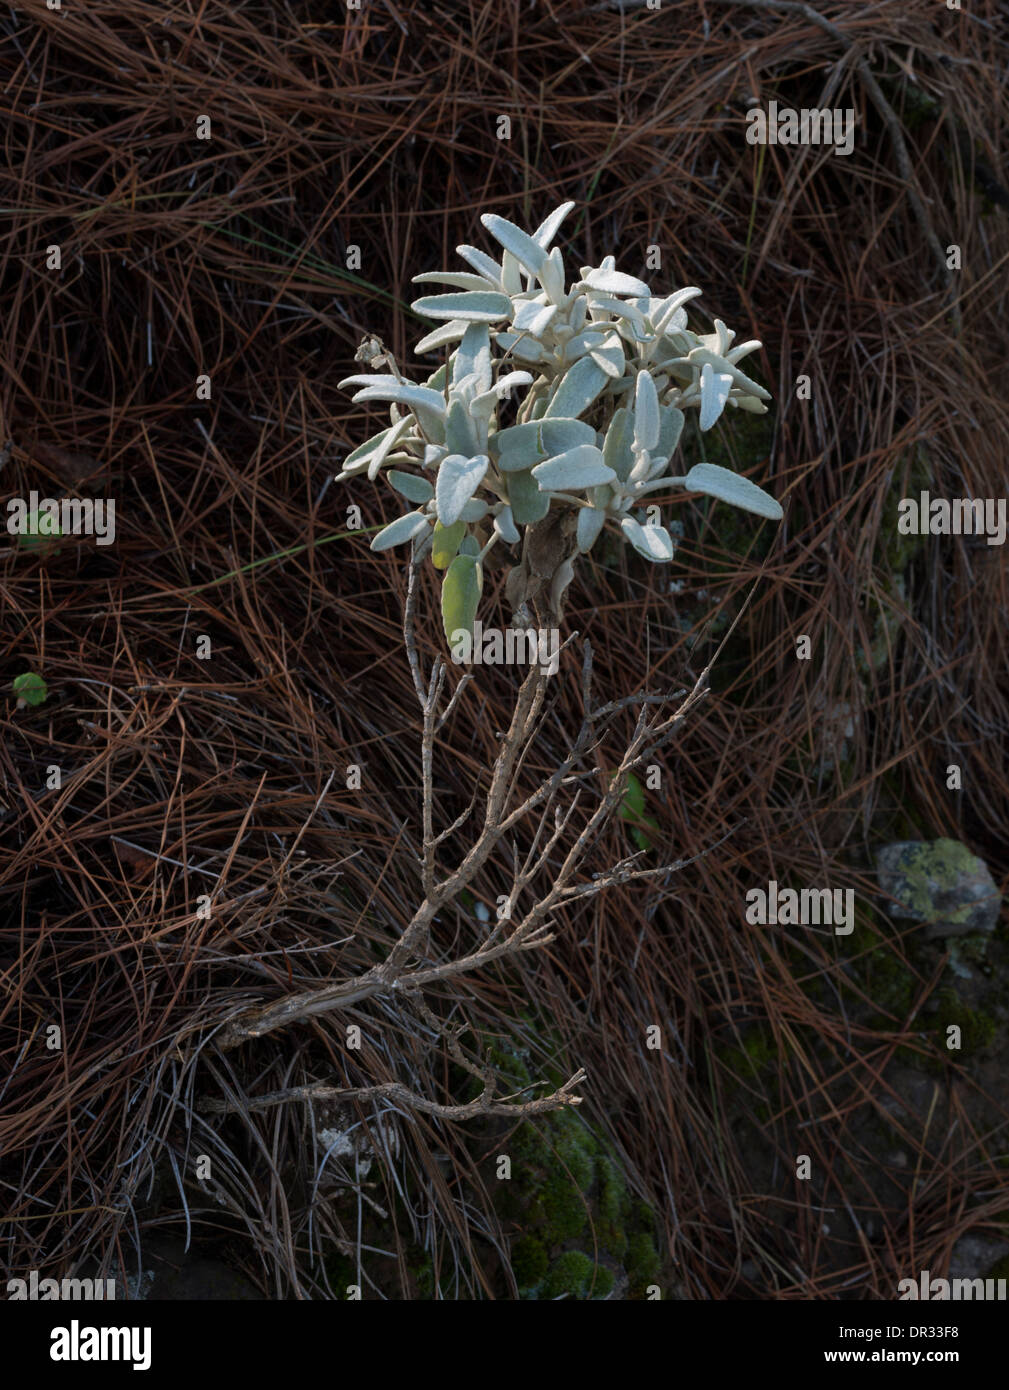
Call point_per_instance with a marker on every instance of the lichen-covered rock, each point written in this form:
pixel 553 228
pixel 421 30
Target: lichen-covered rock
pixel 939 883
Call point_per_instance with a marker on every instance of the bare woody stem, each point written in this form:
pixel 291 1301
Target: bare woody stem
pixel 405 972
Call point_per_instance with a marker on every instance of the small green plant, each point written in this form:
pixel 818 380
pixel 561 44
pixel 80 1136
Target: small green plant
pixel 632 810
pixel 42 533
pixel 30 689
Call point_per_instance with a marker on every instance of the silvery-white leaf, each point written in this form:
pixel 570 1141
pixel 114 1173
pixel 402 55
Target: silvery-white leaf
pixel 368 379
pixel 674 344
pixel 551 276
pixel 674 326
pixel 438 337
pixel 547 230
pixel 460 279
pixel 670 429
pixel 482 406
pixel 411 487
pixel 648 304
pixel 593 337
pixel 753 407
pixel 357 460
pixel 521 446
pixel 718 342
pixel 615 282
pixel 399 429
pixel 715 388
pixel 582 466
pixel 472 357
pixel 604 304
pixel 526 251
pixel 577 390
pixel 434 453
pixel 469 306
pixel 617 448
pixel 458 479
pixel 520 346
pixel 504 385
pixel 646 411
pixel 743 350
pixel 481 263
pixel 511 274
pixel 699 356
pixel 466 387
pixel 642 467
pixel 504 524
pixel 533 317
pixel 653 542
pixel 729 487
pixel 427 405
pixel 475 510
pixel 400 530
pixel 672 304
pixel 438 378
pixel 590 523
pixel 462 435
pixel 578 313
pixel 609 355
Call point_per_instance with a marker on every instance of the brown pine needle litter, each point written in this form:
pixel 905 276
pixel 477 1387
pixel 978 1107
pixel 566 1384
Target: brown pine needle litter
pixel 227 776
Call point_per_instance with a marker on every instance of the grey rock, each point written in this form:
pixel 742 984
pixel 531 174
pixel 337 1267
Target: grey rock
pixel 972 1256
pixel 939 883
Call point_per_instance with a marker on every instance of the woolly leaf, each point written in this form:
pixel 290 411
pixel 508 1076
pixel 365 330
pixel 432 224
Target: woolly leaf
pixel 580 467
pixel 615 282
pixel 523 446
pixel 469 306
pixel 646 412
pixel 528 504
pixel 617 448
pixel 729 487
pixel 404 528
pixel 590 523
pixel 411 487
pixel 526 251
pixel 578 389
pixel 458 479
pixel 653 542
pixel 472 357
pixel 715 388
